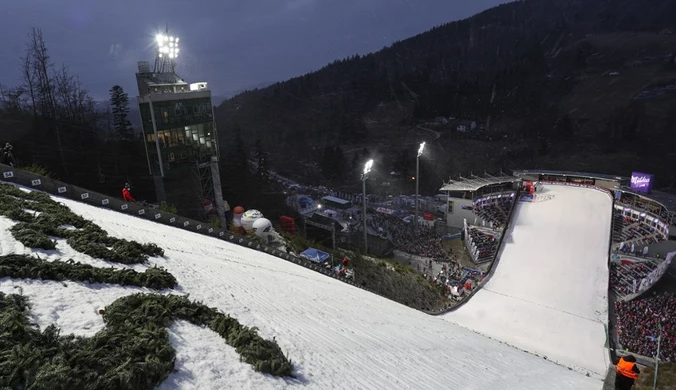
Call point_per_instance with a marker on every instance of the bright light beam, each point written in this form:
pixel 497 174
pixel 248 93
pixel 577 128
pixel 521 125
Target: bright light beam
pixel 422 148
pixel 368 166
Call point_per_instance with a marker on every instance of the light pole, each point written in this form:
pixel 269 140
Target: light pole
pixel 417 181
pixel 364 176
pixel 657 357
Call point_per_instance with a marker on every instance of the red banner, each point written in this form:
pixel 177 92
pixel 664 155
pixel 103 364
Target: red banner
pixel 428 217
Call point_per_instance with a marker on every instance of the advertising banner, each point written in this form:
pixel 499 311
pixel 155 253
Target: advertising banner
pixel 642 182
pixel 563 183
pixel 527 198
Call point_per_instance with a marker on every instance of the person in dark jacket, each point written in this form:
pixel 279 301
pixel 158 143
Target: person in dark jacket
pixel 627 373
pixel 126 193
pixel 7 156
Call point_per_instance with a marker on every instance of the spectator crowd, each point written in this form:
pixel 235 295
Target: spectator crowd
pixel 424 242
pixel 625 277
pixel 494 211
pixel 637 325
pixel 483 245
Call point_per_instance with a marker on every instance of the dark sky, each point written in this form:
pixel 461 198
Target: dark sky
pixel 232 44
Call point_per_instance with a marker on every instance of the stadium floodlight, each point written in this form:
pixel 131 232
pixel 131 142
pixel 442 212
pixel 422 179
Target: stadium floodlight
pixel 421 149
pixel 368 166
pixel 417 180
pixel 167 46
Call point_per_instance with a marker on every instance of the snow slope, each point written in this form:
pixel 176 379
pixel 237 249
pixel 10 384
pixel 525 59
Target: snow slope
pixel 549 291
pixel 337 336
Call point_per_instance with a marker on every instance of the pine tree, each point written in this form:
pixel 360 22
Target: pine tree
pixel 326 164
pixel 119 101
pixel 339 162
pixel 262 158
pixel 237 159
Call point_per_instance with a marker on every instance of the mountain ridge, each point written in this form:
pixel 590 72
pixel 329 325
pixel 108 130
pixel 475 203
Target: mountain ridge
pixel 511 67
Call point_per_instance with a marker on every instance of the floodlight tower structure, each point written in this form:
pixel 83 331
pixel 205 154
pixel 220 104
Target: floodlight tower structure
pixel 179 135
pixel 364 177
pixel 417 183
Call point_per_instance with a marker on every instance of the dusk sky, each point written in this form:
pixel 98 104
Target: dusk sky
pixel 230 44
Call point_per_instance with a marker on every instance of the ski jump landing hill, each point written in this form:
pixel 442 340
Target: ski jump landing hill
pixel 549 293
pixel 337 336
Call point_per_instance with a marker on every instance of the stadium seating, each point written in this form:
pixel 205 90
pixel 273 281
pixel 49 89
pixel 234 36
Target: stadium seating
pixel 632 231
pixel 485 245
pixel 495 212
pixel 622 276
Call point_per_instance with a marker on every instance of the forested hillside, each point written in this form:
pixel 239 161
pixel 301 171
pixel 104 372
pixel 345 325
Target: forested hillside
pixel 511 68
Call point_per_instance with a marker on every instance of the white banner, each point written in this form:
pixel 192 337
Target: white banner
pixel 656 274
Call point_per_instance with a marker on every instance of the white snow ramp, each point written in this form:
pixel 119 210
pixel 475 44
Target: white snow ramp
pixel 548 295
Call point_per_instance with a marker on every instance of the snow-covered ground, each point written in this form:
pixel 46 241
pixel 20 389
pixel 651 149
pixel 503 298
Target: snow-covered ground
pixel 549 291
pixel 338 337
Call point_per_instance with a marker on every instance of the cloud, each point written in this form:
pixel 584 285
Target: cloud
pixel 115 50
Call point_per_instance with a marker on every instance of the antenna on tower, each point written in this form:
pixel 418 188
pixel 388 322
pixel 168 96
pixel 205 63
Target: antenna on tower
pixel 166 52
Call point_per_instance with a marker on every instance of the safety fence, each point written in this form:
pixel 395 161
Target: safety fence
pixel 58 188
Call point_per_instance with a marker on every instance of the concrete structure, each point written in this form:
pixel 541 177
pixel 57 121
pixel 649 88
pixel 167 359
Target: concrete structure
pixel 180 135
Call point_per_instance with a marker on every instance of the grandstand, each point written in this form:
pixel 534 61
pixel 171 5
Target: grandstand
pixel 480 207
pixel 463 192
pixel 481 244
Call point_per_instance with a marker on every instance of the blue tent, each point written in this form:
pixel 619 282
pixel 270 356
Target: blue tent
pixel 305 201
pixel 315 255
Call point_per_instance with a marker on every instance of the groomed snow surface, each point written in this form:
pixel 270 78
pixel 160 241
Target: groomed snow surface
pixel 549 291
pixel 338 337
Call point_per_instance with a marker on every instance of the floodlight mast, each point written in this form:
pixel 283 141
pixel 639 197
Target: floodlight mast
pixel 364 177
pixel 166 52
pixel 417 181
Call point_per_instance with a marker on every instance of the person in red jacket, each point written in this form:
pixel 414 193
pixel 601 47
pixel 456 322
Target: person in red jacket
pixel 126 194
pixel 627 373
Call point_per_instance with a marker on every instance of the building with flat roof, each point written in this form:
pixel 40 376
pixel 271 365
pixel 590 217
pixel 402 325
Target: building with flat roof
pixel 337 203
pixel 461 193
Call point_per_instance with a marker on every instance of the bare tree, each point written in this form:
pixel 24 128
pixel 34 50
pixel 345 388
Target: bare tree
pixel 73 102
pixel 11 99
pixel 28 81
pixel 42 68
pixel 37 69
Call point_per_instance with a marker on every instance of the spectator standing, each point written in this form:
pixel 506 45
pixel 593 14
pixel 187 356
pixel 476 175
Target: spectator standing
pixel 126 193
pixel 7 156
pixel 627 373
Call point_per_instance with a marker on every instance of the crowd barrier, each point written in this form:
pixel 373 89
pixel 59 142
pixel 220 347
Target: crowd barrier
pixel 451 236
pixel 12 175
pixel 652 278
